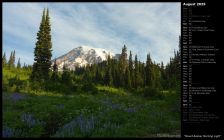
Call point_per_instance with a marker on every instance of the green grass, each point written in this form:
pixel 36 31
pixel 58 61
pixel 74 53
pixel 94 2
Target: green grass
pixel 10 73
pixel 148 118
pixel 112 112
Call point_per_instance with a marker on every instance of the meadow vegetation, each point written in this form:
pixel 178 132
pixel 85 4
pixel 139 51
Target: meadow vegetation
pixel 109 112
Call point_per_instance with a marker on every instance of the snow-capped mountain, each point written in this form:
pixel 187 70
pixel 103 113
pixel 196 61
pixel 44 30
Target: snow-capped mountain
pixel 81 56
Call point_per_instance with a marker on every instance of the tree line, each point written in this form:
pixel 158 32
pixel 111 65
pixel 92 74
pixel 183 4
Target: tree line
pixel 128 73
pixel 11 62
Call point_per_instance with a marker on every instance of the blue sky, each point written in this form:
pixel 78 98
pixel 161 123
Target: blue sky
pixel 142 27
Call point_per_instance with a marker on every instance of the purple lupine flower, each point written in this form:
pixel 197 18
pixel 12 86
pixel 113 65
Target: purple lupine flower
pixel 17 96
pixel 84 124
pixel 4 95
pixel 60 106
pixel 130 110
pixel 110 125
pixel 28 119
pixel 7 132
pixel 67 129
pixel 115 106
pixel 109 103
pixel 80 122
pixel 106 102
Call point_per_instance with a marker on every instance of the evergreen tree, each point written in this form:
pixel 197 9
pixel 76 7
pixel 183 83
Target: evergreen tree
pixel 173 68
pixel 86 76
pixel 116 78
pixel 54 76
pixel 11 62
pixel 163 76
pixel 123 60
pixel 149 71
pixel 157 76
pixel 108 60
pixel 55 66
pixel 162 66
pixel 13 58
pixel 113 71
pixel 18 64
pixel 136 72
pixel 24 65
pixel 122 66
pixel 108 78
pixel 4 61
pixel 66 77
pixel 37 66
pixel 127 79
pixel 141 74
pixel 98 76
pixel 47 47
pixel 42 51
pixel 131 69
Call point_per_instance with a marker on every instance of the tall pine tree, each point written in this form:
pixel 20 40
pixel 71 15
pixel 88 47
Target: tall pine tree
pixel 13 58
pixel 42 51
pixel 66 77
pixel 123 59
pixel 54 76
pixel 130 64
pixel 47 47
pixel 122 66
pixel 127 79
pixel 11 62
pixel 108 77
pixel 4 61
pixel 98 76
pixel 149 71
pixel 18 64
pixel 136 72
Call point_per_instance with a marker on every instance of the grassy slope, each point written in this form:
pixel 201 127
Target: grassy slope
pixel 110 113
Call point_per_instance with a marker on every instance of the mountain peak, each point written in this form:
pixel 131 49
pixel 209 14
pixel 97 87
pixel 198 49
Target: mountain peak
pixel 81 56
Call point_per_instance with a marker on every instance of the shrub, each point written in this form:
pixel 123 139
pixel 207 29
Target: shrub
pixel 15 84
pixel 152 92
pixel 89 87
pixel 37 85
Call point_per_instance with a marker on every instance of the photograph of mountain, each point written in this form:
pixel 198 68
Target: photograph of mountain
pixel 91 70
